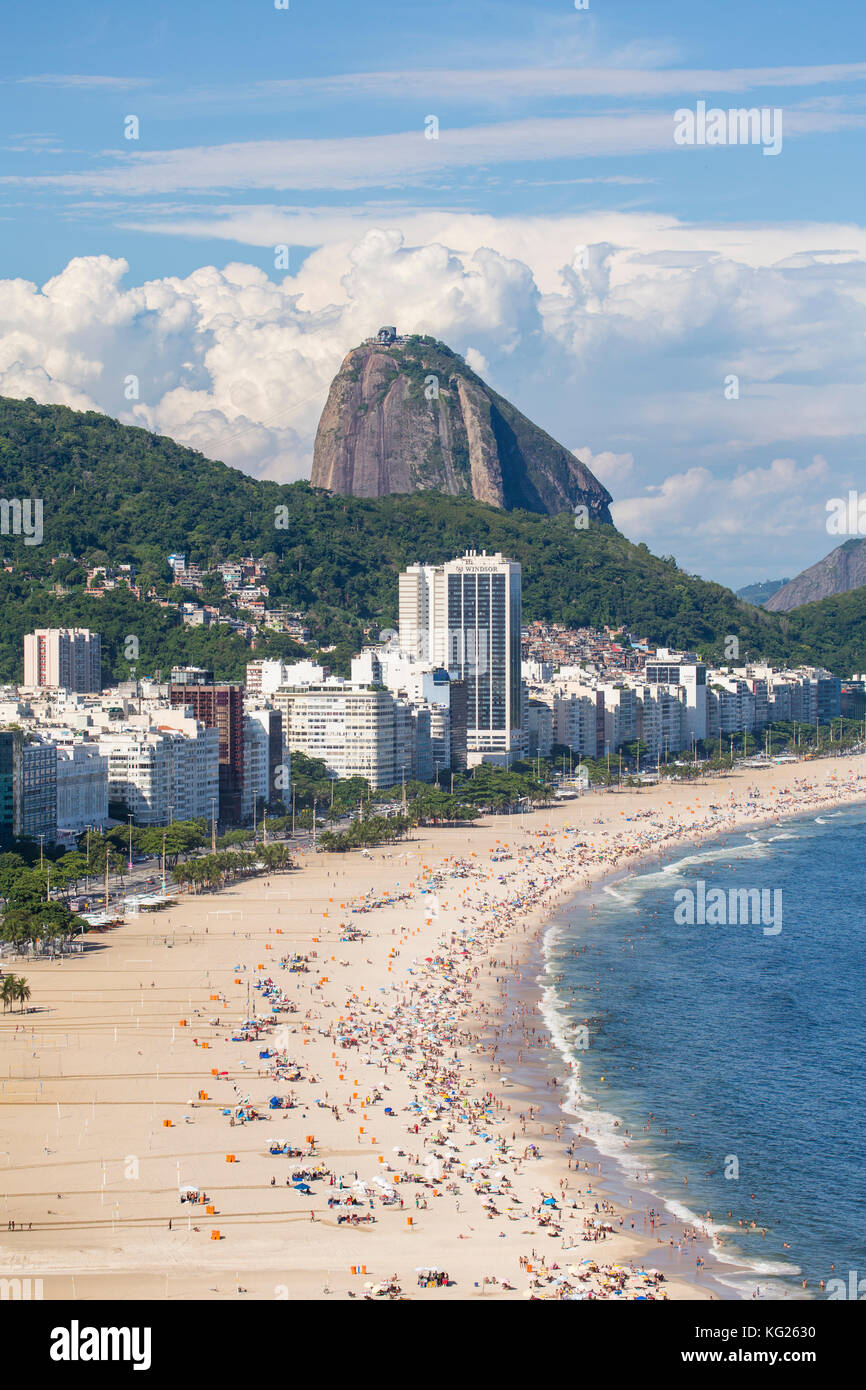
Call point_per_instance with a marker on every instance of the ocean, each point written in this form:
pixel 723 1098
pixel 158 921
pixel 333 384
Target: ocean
pixel 721 1064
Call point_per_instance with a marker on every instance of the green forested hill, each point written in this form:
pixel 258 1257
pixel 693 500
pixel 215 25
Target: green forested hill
pixel 163 640
pixel 112 493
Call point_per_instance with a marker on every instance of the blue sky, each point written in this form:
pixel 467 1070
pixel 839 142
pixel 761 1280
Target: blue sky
pixel 607 279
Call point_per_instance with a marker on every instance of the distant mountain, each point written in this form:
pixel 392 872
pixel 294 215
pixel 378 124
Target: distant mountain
pixel 759 593
pixel 408 415
pixel 839 572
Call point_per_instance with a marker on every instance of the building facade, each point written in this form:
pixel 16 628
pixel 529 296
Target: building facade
pixel 160 774
pixel 65 657
pixel 353 729
pixel 220 707
pixel 267 765
pixel 686 678
pixel 11 741
pixel 82 787
pixel 37 807
pixel 465 616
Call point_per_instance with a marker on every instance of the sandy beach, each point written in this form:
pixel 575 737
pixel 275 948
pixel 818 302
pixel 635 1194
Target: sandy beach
pixel 392 1035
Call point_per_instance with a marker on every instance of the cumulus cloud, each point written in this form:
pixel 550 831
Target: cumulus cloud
pixel 233 362
pixel 477 361
pixel 756 502
pixel 613 470
pixel 747 522
pixel 621 329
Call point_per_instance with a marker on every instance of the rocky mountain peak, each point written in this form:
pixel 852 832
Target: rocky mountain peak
pixel 407 414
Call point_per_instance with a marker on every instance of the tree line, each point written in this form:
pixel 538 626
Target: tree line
pixel 214 871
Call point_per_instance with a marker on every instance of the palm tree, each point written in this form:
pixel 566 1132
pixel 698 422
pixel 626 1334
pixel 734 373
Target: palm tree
pixel 22 991
pixel 275 856
pixel 7 991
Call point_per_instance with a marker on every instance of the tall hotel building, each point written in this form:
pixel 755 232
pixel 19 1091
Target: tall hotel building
pixel 63 657
pixel 465 616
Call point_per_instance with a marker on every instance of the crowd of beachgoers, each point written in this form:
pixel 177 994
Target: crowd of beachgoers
pixel 357 1070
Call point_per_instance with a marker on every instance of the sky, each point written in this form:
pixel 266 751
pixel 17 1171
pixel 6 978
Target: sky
pixel 203 208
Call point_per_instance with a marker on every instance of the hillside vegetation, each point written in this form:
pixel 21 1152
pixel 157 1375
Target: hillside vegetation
pixel 112 493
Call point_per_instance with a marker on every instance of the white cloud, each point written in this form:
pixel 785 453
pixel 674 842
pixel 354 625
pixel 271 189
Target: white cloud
pixel 407 158
pixel 628 345
pixel 483 84
pixel 477 361
pixel 78 80
pixel 613 470
pixel 763 501
pixel 773 512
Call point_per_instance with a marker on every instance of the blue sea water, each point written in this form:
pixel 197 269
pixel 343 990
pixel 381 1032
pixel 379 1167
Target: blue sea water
pixel 747 1049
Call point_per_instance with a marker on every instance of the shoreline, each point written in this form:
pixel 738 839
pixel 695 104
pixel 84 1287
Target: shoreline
pixel 98 1104
pixel 612 1178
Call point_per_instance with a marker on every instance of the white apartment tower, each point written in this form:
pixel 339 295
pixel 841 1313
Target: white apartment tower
pixel 351 729
pixel 681 674
pixel 465 615
pixel 82 786
pixel 163 772
pixel 264 677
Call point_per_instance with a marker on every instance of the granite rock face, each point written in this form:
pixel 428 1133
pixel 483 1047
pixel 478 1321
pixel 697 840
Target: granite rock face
pixel 839 572
pixel 411 416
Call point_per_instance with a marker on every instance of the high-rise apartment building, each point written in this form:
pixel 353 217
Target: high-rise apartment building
pixel 163 772
pixel 66 657
pixel 682 672
pixel 82 786
pixel 465 615
pixel 358 731
pixel 37 807
pixel 11 741
pixel 264 677
pixel 578 719
pixel 539 728
pixel 266 763
pixel 220 707
pixel 663 719
pixel 28 787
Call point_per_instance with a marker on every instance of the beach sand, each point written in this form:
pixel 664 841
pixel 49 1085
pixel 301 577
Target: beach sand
pixel 130 1034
